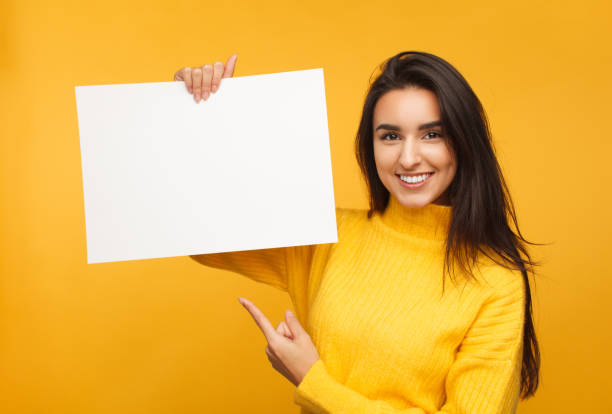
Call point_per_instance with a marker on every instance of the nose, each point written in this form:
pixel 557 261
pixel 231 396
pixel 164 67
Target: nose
pixel 410 155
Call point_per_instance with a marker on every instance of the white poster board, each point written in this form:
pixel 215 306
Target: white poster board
pixel 164 176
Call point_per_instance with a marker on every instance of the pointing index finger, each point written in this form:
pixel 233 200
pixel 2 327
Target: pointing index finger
pixel 260 319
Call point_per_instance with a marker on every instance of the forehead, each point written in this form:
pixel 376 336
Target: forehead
pixel 407 107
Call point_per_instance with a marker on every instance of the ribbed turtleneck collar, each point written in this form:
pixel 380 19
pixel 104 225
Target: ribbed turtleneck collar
pixel 429 222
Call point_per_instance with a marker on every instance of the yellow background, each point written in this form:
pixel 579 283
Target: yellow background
pixel 168 335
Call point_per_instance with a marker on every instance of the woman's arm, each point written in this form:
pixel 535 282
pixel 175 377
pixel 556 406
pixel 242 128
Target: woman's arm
pixel 266 265
pixel 485 377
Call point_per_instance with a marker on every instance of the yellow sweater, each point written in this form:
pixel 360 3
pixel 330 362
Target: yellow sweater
pixel 389 341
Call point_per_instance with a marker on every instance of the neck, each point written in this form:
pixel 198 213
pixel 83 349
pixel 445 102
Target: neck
pixel 429 222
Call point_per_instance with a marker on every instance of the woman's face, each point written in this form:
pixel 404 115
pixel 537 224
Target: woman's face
pixel 413 158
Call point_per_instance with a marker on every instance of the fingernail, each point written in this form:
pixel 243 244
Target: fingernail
pixel 289 313
pixel 206 95
pixel 240 300
pixel 214 88
pixel 197 97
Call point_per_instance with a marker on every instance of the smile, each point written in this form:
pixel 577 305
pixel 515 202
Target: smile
pixel 414 181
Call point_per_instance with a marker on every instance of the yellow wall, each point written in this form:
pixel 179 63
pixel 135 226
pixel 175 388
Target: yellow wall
pixel 168 335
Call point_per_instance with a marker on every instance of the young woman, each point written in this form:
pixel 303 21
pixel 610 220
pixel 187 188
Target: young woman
pixel 377 330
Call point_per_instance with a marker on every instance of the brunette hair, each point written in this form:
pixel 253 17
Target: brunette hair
pixel 481 204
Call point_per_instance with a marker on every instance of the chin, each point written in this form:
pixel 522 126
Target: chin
pixel 414 201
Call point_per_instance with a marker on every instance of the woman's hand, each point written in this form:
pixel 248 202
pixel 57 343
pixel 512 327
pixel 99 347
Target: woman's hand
pixel 203 80
pixel 290 349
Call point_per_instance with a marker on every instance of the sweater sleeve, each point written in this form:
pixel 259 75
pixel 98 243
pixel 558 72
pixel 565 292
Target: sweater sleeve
pixel 267 266
pixel 484 378
pixel 286 268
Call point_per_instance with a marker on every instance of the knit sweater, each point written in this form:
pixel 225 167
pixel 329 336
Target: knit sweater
pixel 389 340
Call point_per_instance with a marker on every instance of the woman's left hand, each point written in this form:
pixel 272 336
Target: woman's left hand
pixel 289 349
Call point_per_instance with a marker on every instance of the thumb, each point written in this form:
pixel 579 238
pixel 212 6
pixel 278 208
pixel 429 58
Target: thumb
pixel 294 324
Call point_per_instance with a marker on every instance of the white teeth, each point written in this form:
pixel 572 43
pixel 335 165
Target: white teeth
pixel 415 179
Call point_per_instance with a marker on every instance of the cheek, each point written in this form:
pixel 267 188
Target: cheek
pixel 444 160
pixel 381 158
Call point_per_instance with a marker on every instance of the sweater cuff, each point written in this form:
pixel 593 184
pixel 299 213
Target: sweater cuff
pixel 307 390
pixel 320 393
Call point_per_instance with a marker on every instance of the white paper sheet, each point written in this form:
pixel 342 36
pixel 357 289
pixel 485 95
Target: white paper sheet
pixel 247 169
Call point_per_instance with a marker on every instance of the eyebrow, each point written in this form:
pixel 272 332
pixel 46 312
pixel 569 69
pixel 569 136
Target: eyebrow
pixel 421 127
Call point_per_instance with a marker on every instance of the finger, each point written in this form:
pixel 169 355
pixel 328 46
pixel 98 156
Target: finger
pixel 294 324
pixel 196 75
pixel 178 75
pixel 229 66
pixel 206 81
pixel 284 330
pixel 260 319
pixel 216 76
pixel 186 76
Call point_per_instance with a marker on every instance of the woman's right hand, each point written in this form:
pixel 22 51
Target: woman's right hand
pixel 204 80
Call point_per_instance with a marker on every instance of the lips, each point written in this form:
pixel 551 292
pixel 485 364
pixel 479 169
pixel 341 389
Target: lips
pixel 415 178
pixel 415 184
pixel 415 174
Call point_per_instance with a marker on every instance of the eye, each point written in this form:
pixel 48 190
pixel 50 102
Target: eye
pixel 388 135
pixel 432 134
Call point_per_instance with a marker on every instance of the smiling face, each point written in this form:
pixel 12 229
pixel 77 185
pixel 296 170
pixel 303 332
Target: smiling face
pixel 414 159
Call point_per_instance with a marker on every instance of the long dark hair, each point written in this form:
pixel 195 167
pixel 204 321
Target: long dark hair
pixel 481 204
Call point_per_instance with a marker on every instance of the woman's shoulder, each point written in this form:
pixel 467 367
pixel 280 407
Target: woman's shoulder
pixel 496 275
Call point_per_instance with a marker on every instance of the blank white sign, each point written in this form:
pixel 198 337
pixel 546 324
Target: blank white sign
pixel 163 176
